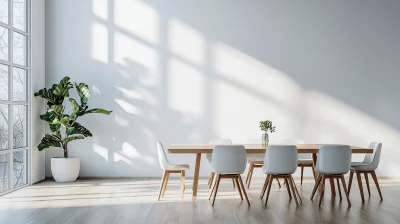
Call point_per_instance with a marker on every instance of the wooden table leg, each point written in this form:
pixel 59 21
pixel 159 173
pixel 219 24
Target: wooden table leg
pixel 314 159
pixel 196 176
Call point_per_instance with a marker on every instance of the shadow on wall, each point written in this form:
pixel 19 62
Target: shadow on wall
pixel 185 72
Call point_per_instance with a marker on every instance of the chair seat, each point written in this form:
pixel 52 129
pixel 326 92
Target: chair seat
pixel 178 167
pixel 361 166
pixel 304 161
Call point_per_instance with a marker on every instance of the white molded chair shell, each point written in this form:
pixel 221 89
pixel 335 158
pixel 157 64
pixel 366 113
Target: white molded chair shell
pixel 229 159
pixel 334 159
pixel 255 157
pixel 217 142
pixel 303 157
pixel 164 163
pixel 280 159
pixel 371 161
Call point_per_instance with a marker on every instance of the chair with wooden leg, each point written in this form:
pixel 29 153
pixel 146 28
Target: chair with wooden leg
pixel 368 166
pixel 209 157
pixel 281 162
pixel 305 160
pixel 168 169
pixel 255 160
pixel 332 163
pixel 228 161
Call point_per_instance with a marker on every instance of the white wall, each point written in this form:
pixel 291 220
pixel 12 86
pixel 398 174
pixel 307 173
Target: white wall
pixel 189 71
pixel 37 82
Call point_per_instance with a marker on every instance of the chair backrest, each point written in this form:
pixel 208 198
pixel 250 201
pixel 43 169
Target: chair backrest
pixel 220 142
pixel 162 156
pixel 373 159
pixel 280 159
pixel 301 156
pixel 334 159
pixel 229 159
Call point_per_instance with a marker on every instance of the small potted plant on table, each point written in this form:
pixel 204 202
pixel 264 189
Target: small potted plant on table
pixel 265 127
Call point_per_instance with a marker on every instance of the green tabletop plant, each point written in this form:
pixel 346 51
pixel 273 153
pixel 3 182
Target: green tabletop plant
pixel 266 126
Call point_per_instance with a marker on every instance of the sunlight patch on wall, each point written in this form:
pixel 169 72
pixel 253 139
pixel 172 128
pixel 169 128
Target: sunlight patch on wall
pixel 118 157
pixel 127 154
pixel 95 90
pixel 129 151
pixel 238 113
pixel 128 107
pixel 138 18
pixel 186 42
pixel 99 43
pixel 256 76
pixel 102 151
pixel 138 60
pixel 100 8
pixel 332 121
pixel 185 88
pixel 121 121
pixel 141 94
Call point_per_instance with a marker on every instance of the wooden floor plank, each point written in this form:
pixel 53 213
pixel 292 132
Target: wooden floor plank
pixel 133 201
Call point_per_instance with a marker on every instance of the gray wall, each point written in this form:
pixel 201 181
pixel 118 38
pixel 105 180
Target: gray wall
pixel 189 71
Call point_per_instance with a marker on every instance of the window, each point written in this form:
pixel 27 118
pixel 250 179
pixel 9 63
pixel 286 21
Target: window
pixel 14 99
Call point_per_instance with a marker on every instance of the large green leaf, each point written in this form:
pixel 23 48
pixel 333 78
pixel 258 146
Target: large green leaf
pixel 51 117
pixel 62 89
pixel 57 109
pixel 64 121
pixel 75 109
pixel 49 141
pixel 98 111
pixel 83 92
pixel 75 137
pixel 78 129
pixel 48 95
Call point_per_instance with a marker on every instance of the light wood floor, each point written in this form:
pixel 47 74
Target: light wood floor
pixel 135 201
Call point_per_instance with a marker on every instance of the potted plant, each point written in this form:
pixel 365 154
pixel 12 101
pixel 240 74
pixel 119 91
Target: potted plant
pixel 64 126
pixel 266 126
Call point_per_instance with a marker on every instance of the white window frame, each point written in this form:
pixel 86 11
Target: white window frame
pixel 10 102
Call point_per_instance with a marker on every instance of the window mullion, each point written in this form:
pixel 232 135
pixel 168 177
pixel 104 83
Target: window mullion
pixel 10 94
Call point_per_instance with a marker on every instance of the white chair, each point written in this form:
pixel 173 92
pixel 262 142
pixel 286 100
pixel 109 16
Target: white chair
pixel 332 163
pixel 229 161
pixel 280 162
pixel 209 155
pixel 368 166
pixel 305 160
pixel 256 160
pixel 169 168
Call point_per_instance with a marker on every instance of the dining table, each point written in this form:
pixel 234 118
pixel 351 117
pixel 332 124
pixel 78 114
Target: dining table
pixel 199 149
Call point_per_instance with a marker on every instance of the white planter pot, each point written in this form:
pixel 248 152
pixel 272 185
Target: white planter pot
pixel 65 169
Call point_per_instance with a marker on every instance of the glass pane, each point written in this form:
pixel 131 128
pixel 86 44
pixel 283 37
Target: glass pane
pixel 3 82
pixel 19 167
pixel 19 14
pixel 3 43
pixel 4 11
pixel 3 173
pixel 19 84
pixel 3 127
pixel 19 49
pixel 19 132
